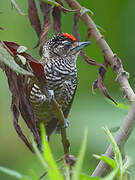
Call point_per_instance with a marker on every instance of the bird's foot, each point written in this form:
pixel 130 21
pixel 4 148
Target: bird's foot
pixel 51 95
pixel 58 130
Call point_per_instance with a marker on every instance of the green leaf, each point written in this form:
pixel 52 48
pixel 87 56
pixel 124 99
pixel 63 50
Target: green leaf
pixel 12 173
pixel 33 175
pixel 51 2
pixel 119 105
pixel 79 162
pixel 107 160
pixel 39 155
pixel 8 60
pixel 117 154
pixel 111 176
pixel 54 3
pixel 123 106
pixel 52 168
pixel 86 177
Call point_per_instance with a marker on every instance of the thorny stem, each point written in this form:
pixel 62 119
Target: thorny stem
pixel 116 64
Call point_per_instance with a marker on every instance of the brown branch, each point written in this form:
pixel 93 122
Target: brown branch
pixel 116 64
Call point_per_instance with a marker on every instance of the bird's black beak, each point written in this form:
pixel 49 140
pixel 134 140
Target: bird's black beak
pixel 81 45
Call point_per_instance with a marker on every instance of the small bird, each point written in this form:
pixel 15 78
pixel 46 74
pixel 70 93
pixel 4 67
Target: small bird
pixel 59 56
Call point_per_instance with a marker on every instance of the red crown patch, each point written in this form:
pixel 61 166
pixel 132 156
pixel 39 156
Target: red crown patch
pixel 69 36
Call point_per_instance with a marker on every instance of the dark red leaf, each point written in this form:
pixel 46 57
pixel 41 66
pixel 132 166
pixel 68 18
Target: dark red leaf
pixel 33 16
pixel 88 60
pixel 38 70
pixel 56 20
pixel 44 33
pixel 76 27
pixel 45 8
pixel 17 127
pixel 20 87
pixel 99 84
pixel 11 47
pixel 88 35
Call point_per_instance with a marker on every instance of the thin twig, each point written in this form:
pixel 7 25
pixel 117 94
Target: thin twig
pixel 116 64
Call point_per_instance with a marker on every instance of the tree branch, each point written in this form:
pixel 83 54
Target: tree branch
pixel 116 64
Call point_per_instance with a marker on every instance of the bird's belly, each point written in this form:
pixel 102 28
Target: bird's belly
pixel 44 111
pixel 63 92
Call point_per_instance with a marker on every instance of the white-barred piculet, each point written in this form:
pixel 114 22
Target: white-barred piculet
pixel 59 56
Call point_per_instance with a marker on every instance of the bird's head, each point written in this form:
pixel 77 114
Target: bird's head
pixel 63 45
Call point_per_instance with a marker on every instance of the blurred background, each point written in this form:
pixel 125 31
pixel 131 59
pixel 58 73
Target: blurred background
pixel 117 18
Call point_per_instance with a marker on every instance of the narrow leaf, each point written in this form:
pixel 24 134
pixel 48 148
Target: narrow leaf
pixel 118 157
pixel 100 84
pixel 33 175
pixel 56 20
pixel 19 85
pixel 51 2
pixel 107 160
pixel 33 16
pixel 54 3
pixel 17 7
pixel 86 177
pixel 11 172
pixel 39 155
pixel 88 34
pixel 17 127
pixel 119 105
pixel 52 168
pixel 46 9
pixel 79 163
pixel 89 61
pixel 76 27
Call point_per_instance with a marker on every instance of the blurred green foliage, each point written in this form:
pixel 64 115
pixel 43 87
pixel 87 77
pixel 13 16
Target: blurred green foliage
pixel 116 17
pixel 119 168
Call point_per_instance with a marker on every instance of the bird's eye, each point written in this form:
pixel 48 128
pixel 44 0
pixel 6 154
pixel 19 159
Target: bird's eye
pixel 67 45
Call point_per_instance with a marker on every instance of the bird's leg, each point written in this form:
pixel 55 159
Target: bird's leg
pixel 59 127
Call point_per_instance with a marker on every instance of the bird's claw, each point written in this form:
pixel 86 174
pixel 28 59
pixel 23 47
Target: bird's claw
pixel 66 124
pixel 51 95
pixel 58 130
